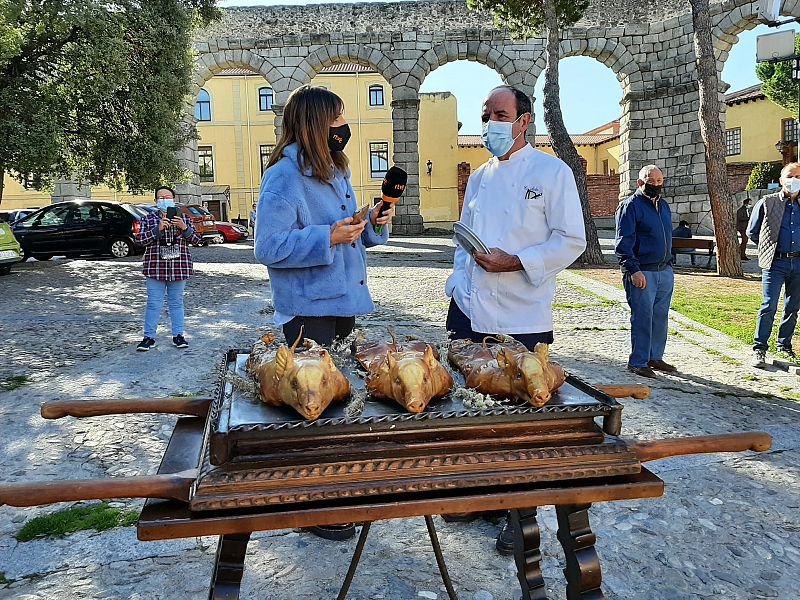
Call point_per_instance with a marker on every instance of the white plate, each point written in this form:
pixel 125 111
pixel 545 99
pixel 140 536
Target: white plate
pixel 8 254
pixel 468 239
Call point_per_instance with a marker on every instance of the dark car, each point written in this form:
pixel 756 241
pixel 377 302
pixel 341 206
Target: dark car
pixel 78 227
pixel 11 216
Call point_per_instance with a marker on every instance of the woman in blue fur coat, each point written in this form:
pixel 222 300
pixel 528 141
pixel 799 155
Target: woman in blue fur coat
pixel 305 233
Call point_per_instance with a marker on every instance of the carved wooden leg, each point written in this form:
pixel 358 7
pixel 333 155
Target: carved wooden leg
pixel 228 567
pixel 583 565
pixel 527 554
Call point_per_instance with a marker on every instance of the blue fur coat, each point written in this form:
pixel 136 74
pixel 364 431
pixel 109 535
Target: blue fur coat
pixel 293 224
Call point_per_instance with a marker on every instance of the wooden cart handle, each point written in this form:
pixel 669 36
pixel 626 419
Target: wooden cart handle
pixel 640 392
pixel 171 487
pixel 57 409
pixel 648 450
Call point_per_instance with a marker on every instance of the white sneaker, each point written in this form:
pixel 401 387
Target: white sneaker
pixel 759 359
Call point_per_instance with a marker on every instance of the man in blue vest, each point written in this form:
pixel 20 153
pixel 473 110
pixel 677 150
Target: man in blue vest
pixel 644 249
pixel 775 227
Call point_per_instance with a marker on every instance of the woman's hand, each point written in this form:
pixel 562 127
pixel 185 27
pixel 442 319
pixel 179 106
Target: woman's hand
pixel 382 220
pixel 179 223
pixel 344 232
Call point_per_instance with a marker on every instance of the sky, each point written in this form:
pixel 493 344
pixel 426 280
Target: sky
pixel 590 93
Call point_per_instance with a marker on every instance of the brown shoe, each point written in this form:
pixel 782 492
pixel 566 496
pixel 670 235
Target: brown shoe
pixel 643 372
pixel 660 365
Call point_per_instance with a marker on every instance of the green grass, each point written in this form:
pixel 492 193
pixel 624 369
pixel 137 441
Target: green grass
pixel 723 357
pixel 3 580
pixel 96 516
pixel 13 382
pixel 572 305
pixel 733 314
pixel 749 377
pixel 602 300
pixel 184 395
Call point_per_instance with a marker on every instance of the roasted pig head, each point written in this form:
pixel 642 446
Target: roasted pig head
pixel 507 370
pixel 307 381
pixel 406 372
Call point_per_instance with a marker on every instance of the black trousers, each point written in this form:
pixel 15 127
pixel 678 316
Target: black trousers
pixel 460 328
pixel 322 330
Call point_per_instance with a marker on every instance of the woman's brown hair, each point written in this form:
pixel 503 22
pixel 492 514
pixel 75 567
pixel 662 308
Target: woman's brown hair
pixel 307 118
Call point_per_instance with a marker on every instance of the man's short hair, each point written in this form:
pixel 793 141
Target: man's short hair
pixel 645 171
pixel 785 170
pixel 683 224
pixel 165 187
pixel 522 100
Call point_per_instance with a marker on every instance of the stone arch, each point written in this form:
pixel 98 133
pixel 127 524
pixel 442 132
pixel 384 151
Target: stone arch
pixel 209 64
pixel 325 56
pixel 609 52
pixel 480 52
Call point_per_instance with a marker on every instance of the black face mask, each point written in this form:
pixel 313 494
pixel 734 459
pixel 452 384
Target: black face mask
pixel 338 137
pixel 652 191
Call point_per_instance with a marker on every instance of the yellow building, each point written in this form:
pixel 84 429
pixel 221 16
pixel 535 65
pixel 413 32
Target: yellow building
pixel 753 126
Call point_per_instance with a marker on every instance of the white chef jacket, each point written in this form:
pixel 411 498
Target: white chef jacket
pixel 527 206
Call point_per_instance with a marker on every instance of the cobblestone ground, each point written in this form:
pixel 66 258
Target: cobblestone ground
pixel 728 526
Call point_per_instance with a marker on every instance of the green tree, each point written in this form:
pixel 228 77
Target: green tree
pixel 778 84
pixel 523 19
pixel 95 90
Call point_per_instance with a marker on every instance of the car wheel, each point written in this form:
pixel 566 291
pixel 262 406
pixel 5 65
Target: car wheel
pixel 219 239
pixel 121 248
pixel 42 256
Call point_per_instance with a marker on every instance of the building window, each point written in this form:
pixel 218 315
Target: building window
pixel 378 159
pixel 376 95
pixel 265 151
pixel 605 167
pixel 205 160
pixel 265 98
pixel 733 141
pixel 789 130
pixel 202 108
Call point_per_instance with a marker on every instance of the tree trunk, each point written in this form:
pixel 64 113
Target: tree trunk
pixel 559 137
pixel 2 183
pixel 729 262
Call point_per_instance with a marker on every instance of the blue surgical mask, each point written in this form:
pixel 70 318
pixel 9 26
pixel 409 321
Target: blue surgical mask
pixel 497 136
pixel 792 184
pixel 165 203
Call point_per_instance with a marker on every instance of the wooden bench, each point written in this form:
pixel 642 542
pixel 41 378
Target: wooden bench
pixel 691 246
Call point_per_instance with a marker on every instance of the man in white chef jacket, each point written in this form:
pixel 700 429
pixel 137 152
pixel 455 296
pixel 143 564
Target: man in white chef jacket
pixel 524 206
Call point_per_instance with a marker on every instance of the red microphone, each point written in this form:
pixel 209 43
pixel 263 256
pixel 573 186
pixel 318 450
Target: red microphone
pixel 393 186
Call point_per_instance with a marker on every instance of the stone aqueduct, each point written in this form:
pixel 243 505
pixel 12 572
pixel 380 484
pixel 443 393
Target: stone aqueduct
pixel 646 43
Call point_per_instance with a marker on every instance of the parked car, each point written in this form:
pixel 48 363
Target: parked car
pixel 231 232
pixel 11 216
pixel 77 228
pixel 10 251
pixel 202 221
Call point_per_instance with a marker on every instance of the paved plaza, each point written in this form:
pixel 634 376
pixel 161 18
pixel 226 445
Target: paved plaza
pixel 727 527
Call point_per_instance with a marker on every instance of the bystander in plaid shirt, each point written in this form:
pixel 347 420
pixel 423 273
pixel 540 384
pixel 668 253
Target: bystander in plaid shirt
pixel 151 238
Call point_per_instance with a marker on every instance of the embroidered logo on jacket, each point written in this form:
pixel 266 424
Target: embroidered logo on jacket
pixel 532 193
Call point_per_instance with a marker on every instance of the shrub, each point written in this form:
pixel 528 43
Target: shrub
pixel 762 174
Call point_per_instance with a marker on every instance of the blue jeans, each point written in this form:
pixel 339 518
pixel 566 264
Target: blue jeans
pixel 784 271
pixel 156 290
pixel 649 315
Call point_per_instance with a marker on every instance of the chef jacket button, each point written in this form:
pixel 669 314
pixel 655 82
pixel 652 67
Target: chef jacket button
pixel 492 294
pixel 353 244
pixel 344 207
pixel 508 211
pixel 361 282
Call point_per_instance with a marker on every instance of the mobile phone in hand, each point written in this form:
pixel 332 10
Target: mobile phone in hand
pixel 172 212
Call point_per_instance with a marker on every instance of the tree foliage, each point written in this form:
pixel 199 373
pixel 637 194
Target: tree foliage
pixel 95 90
pixel 524 18
pixel 778 84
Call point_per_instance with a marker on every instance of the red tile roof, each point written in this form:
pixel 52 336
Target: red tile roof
pixel 544 140
pixel 751 93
